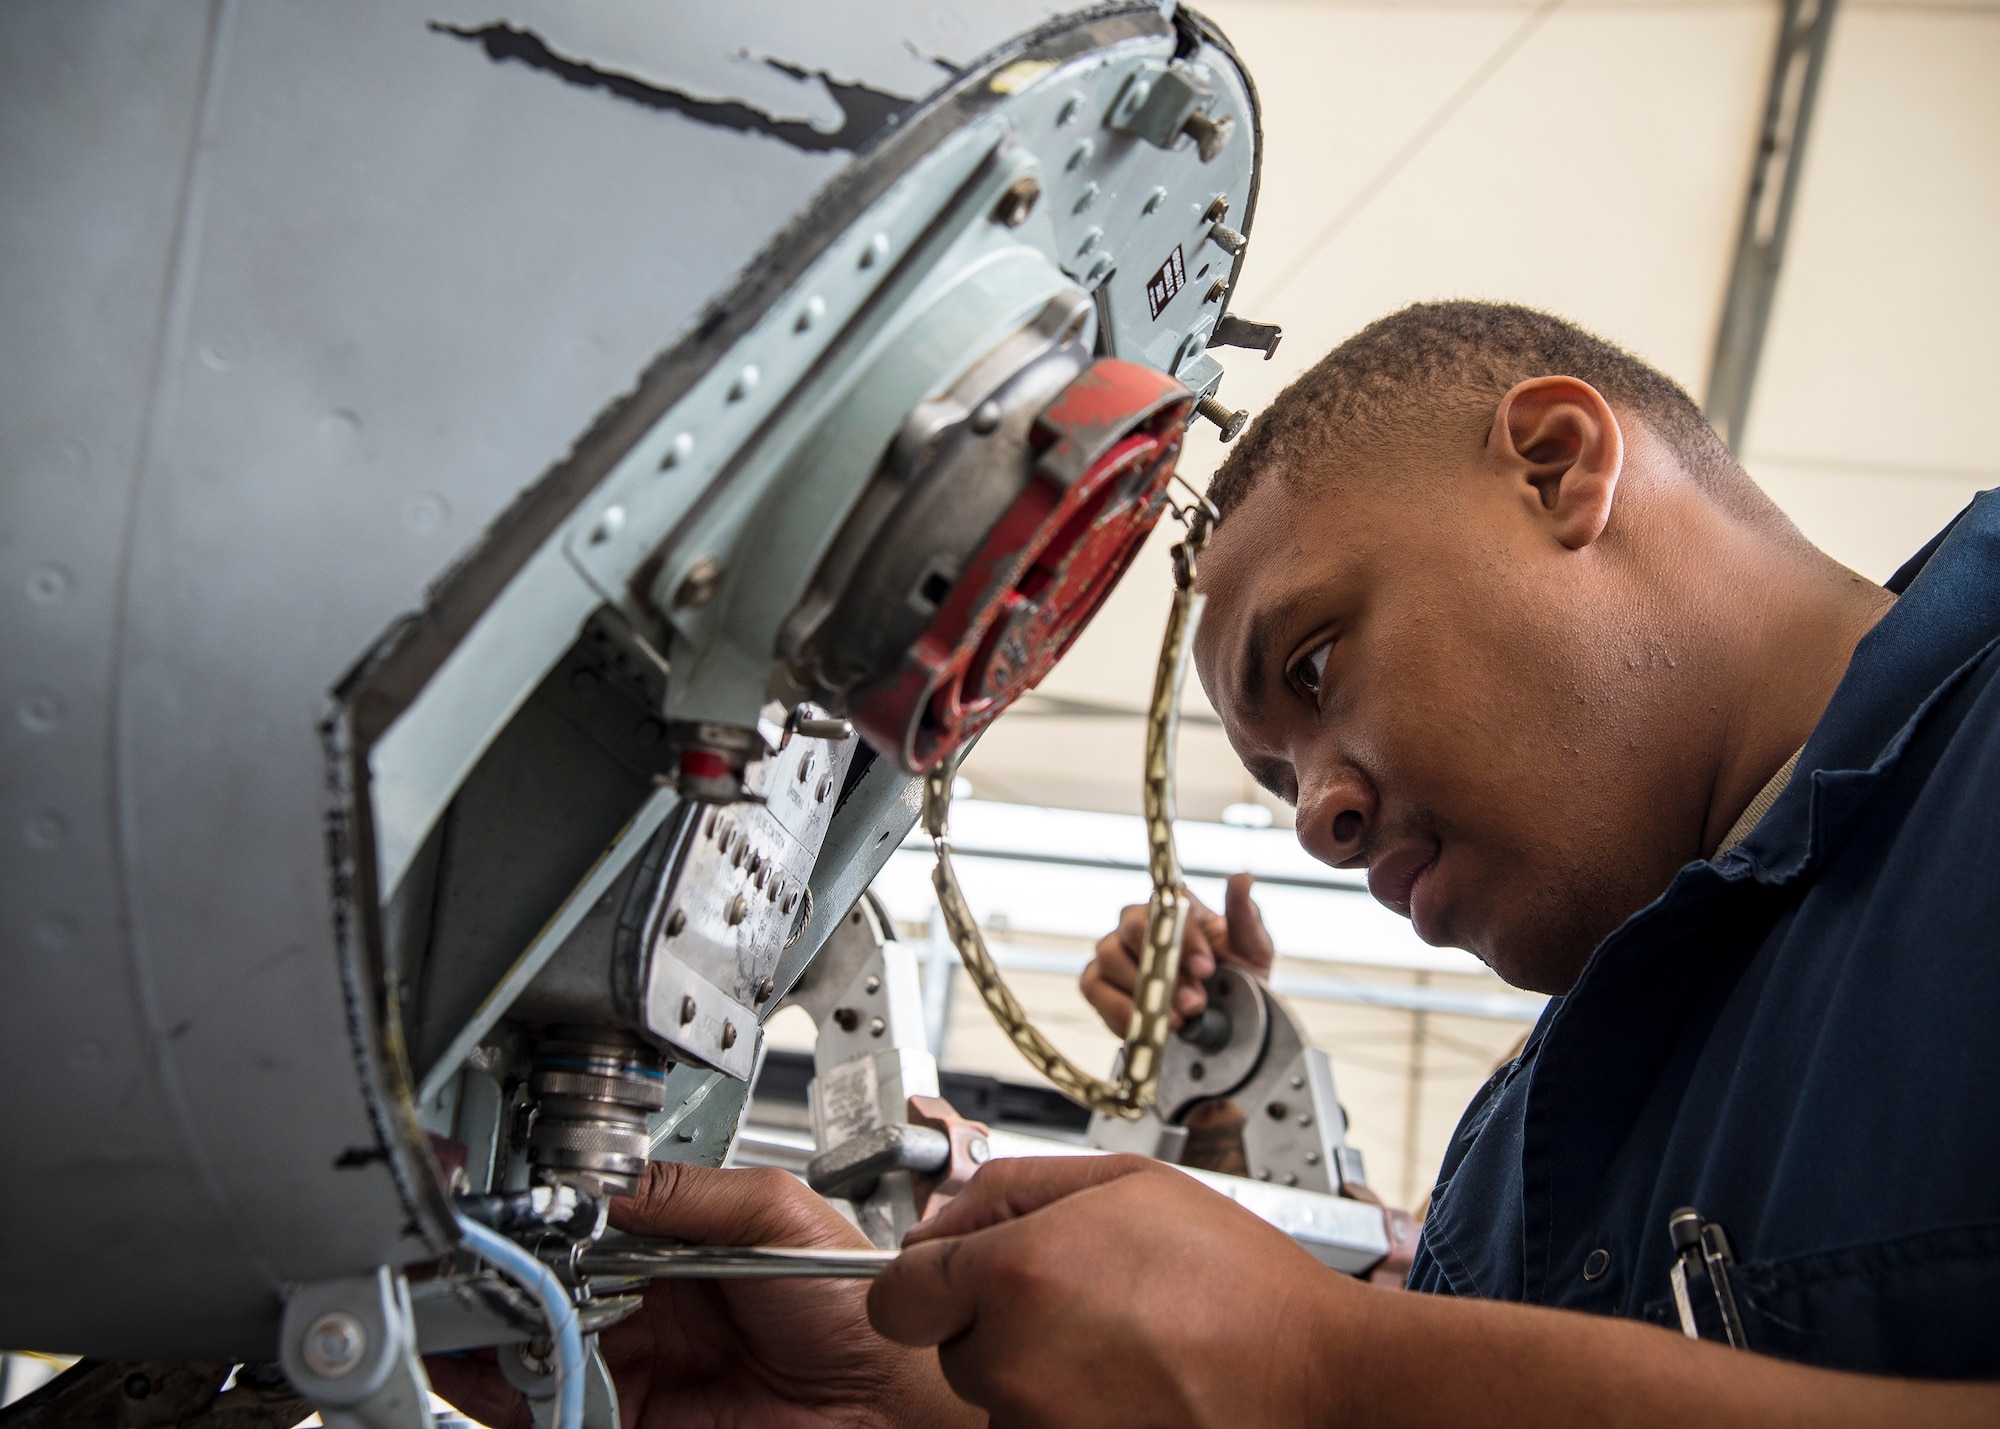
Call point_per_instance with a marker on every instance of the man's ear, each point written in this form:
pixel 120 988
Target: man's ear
pixel 1559 442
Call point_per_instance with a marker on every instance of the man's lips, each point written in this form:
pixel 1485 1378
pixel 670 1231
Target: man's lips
pixel 1393 877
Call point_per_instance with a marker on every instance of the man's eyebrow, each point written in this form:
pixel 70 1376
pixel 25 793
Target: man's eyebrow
pixel 1265 626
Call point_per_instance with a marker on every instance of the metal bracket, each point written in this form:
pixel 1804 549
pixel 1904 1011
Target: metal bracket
pixel 350 1347
pixel 534 1376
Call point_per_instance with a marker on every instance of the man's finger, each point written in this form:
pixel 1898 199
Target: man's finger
pixel 1008 1189
pixel 1114 1006
pixel 927 1295
pixel 1249 942
pixel 706 1206
pixel 1116 963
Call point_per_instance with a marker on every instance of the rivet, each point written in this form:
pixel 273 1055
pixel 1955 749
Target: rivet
pixel 45 831
pixel 745 383
pixel 1298 1083
pixel 678 451
pixel 1291 1178
pixel 873 985
pixel 1080 155
pixel 765 989
pixel 738 910
pixel 876 1027
pixel 825 788
pixel 1071 107
pixel 1596 1263
pixel 1263 1173
pixel 977 1151
pixel 876 250
pixel 608 525
pixel 687 1010
pixel 424 513
pixel 810 312
pixel 584 682
pixel 1153 201
pixel 1085 197
pixel 728 1035
pixel 49 584
pixel 1091 238
pixel 986 417
pixel 39 711
pixel 1305 1118
pixel 1312 1158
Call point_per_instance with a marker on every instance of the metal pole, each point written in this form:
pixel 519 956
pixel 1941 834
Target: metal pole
pixel 1767 214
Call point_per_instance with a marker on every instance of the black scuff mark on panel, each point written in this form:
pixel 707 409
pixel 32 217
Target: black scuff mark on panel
pixel 865 112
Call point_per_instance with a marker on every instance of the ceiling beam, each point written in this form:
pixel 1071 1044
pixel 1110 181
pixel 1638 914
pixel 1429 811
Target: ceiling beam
pixel 1767 214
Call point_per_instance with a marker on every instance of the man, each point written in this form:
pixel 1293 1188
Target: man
pixel 1491 605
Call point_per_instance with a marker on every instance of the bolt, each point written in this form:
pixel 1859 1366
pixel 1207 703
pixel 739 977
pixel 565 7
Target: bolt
pixel 846 1018
pixel 699 585
pixel 334 1344
pixel 1018 202
pixel 687 1010
pixel 1218 210
pixel 1231 423
pixel 765 989
pixel 1211 136
pixel 1227 238
pixel 676 920
pixel 728 1035
pixel 977 1151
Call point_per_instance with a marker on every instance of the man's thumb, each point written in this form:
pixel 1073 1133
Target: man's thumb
pixel 1248 940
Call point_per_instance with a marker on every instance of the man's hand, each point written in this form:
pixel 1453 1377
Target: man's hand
pixel 1235 937
pixel 1115 1290
pixel 793 1353
pixel 1112 1290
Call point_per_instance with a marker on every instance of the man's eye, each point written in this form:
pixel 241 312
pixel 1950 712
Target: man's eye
pixel 1311 670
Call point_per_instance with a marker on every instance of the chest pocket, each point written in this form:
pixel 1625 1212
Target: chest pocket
pixel 1920 1305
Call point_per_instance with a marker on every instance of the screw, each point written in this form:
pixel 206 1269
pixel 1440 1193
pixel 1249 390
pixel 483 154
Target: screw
pixel 738 910
pixel 1211 136
pixel 698 586
pixel 765 989
pixel 687 1010
pixel 1231 423
pixel 1018 202
pixel 728 1035
pixel 334 1344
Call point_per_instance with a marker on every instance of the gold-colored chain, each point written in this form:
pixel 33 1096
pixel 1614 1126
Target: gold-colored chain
pixel 1160 960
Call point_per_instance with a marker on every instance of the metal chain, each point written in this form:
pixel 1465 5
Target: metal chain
pixel 1160 959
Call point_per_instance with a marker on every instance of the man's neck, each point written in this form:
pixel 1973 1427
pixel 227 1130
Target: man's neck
pixel 1807 615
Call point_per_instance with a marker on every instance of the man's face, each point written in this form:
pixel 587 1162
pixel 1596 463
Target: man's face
pixel 1454 701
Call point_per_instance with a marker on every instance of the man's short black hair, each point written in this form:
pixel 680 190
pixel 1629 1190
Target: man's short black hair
pixel 1400 375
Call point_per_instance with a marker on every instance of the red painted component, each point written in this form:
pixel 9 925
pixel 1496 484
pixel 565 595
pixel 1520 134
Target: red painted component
pixel 703 764
pixel 1111 440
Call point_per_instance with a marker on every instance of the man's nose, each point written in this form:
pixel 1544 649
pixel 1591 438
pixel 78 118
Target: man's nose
pixel 1335 812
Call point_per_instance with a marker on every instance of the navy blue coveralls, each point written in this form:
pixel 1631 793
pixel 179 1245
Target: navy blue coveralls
pixel 1800 1039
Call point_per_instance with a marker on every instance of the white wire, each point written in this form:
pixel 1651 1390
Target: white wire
pixel 538 1280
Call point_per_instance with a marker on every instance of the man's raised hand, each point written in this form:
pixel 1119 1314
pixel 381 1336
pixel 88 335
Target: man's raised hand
pixel 1234 937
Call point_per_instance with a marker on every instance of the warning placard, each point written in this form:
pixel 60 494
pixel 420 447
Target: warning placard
pixel 1161 287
